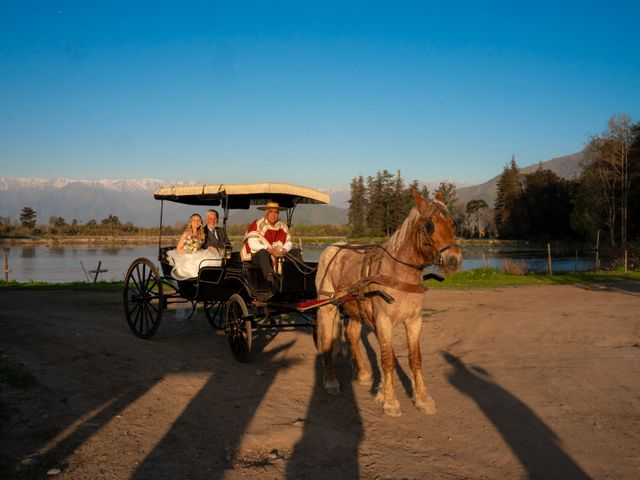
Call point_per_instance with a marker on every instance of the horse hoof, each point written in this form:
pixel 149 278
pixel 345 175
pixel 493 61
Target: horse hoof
pixel 332 387
pixel 426 405
pixel 392 408
pixel 379 396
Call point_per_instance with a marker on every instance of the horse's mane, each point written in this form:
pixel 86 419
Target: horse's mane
pixel 403 240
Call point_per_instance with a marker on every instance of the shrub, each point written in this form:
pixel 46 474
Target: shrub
pixel 511 267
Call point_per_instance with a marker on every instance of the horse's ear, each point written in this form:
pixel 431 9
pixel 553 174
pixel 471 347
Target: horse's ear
pixel 439 197
pixel 421 202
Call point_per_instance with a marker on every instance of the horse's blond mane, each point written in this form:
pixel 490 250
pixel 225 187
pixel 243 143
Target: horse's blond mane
pixel 404 237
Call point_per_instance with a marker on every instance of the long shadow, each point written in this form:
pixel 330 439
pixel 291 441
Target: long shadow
pixel 613 283
pixel 537 447
pixel 57 456
pixel 332 435
pixel 194 446
pixel 204 441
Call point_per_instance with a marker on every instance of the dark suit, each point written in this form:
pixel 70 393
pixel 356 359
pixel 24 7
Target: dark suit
pixel 217 239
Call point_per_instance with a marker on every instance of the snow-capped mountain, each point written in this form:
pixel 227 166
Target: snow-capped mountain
pixel 129 200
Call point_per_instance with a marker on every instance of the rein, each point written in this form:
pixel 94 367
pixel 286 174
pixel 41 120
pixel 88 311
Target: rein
pixel 368 246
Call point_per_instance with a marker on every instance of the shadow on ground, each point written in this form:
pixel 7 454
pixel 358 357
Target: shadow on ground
pixel 535 445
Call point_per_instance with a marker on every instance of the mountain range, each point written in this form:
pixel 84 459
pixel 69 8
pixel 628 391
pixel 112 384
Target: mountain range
pixel 132 200
pixel 568 167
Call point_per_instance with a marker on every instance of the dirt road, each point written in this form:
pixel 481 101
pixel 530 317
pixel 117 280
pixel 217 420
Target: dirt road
pixel 530 382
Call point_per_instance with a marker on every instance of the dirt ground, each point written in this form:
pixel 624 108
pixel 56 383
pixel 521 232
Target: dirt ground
pixel 530 382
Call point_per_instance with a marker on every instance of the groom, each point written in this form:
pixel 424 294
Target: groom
pixel 215 237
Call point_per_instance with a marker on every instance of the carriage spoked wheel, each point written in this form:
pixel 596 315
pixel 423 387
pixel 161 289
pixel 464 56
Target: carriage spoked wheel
pixel 238 327
pixel 214 311
pixel 142 296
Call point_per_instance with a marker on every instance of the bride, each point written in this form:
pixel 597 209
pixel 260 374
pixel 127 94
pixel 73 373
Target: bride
pixel 188 257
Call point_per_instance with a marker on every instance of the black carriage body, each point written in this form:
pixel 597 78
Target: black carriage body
pixel 235 295
pixel 233 276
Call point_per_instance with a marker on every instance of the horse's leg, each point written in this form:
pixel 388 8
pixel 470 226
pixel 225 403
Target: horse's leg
pixel 390 405
pixel 327 322
pixel 421 398
pixel 360 371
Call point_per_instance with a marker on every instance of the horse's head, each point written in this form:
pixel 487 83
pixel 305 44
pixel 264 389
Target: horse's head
pixel 436 233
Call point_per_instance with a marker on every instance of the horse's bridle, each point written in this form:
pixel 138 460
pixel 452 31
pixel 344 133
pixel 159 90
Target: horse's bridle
pixel 426 230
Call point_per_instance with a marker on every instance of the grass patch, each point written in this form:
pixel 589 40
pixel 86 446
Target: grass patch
pixel 71 286
pixel 494 278
pixel 478 278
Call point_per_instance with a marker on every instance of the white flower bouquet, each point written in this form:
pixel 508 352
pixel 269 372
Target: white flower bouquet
pixel 191 245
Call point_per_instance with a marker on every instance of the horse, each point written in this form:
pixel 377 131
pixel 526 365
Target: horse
pixel 385 287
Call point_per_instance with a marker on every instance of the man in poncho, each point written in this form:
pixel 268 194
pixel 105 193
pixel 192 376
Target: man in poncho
pixel 265 240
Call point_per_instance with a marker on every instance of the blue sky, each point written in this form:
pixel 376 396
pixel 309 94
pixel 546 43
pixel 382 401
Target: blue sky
pixel 307 93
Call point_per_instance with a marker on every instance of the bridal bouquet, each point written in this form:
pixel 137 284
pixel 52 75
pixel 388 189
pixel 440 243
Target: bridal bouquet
pixel 191 245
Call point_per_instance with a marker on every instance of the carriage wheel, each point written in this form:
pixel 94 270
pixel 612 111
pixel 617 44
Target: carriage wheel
pixel 142 298
pixel 214 311
pixel 239 329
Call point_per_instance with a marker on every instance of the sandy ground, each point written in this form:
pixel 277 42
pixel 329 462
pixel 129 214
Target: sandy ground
pixel 530 382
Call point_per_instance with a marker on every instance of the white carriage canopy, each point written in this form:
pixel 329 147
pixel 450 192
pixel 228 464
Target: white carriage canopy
pixel 242 196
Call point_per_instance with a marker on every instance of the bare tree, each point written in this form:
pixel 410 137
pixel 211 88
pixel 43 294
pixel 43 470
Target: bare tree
pixel 607 156
pixel 621 135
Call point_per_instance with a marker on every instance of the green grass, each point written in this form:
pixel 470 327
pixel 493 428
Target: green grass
pixel 479 278
pixel 493 278
pixel 72 286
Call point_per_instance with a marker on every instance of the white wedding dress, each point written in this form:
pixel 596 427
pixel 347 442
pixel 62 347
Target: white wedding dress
pixel 187 265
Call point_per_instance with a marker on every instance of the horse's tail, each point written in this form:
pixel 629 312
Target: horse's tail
pixel 324 282
pixel 330 328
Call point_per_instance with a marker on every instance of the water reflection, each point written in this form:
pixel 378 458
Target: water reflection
pixel 57 251
pixel 62 263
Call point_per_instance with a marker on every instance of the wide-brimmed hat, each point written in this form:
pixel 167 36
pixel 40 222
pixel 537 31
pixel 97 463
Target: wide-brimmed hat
pixel 268 205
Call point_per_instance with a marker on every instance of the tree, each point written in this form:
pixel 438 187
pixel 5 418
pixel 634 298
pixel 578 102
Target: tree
pixel 111 220
pixel 634 184
pixel 386 180
pixel 357 207
pixel 473 209
pixel 57 222
pixel 28 217
pixel 375 206
pixel 610 162
pixel 546 204
pixel 589 210
pixel 508 190
pixel 621 134
pixel 450 195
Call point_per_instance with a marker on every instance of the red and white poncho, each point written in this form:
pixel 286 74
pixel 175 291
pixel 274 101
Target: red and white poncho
pixel 261 235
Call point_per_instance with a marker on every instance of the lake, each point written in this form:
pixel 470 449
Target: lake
pixel 41 263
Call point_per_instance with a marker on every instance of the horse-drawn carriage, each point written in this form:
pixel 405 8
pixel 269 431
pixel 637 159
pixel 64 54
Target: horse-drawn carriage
pixel 378 285
pixel 233 292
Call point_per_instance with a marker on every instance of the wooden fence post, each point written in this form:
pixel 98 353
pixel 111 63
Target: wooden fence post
pixel 598 251
pixel 626 259
pixel 549 266
pixel 6 270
